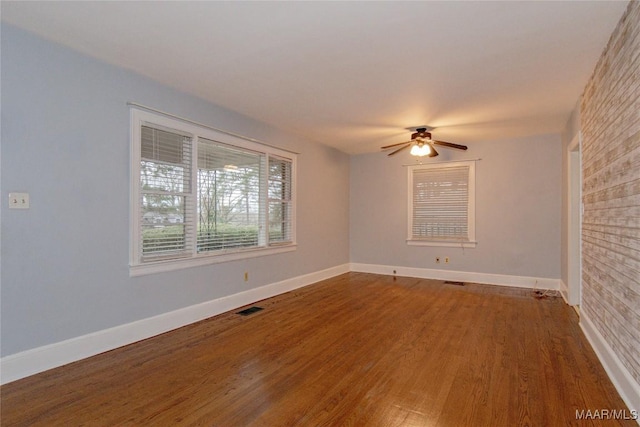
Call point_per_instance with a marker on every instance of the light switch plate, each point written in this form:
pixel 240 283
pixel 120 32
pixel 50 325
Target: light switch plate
pixel 18 200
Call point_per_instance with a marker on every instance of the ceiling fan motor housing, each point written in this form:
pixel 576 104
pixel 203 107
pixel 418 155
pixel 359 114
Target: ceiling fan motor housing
pixel 421 133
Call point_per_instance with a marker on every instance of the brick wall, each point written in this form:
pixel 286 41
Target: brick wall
pixel 610 124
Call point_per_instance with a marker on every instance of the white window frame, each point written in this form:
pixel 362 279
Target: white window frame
pixel 137 266
pixel 470 240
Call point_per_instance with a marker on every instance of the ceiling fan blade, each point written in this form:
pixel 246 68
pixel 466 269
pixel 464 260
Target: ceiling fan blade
pixel 399 149
pixel 394 145
pixel 450 145
pixel 433 152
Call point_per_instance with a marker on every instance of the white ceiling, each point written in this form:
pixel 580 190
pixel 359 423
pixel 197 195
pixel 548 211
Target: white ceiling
pixel 353 75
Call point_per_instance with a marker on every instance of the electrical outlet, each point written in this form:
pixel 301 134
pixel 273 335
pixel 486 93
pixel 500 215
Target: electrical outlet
pixel 18 200
pixel 446 260
pixel 437 260
pixel 246 276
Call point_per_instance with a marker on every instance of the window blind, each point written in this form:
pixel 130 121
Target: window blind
pixel 165 177
pixel 440 203
pixel 279 198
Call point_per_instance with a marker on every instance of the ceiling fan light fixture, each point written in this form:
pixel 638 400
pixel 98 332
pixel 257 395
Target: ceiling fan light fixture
pixel 420 150
pixel 421 144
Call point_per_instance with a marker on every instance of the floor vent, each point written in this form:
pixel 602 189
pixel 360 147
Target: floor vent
pixel 248 311
pixel 449 282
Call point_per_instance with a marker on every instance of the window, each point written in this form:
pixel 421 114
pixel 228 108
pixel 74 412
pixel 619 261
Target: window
pixel 280 201
pixel 200 196
pixel 442 204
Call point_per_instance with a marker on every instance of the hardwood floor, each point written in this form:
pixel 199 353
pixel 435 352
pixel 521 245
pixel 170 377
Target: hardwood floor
pixel 356 350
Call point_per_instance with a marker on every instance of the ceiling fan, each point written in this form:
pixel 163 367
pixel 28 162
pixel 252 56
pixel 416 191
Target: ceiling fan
pixel 422 145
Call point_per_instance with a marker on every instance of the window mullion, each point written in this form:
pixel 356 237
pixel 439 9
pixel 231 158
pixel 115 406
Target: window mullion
pixel 192 204
pixel 264 201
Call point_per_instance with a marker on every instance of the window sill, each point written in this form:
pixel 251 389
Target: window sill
pixel 205 259
pixel 451 244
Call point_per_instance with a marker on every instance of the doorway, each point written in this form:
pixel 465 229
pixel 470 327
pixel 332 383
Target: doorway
pixel 575 223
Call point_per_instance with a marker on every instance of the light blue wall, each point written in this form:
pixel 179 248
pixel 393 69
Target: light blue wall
pixel 65 140
pixel 518 198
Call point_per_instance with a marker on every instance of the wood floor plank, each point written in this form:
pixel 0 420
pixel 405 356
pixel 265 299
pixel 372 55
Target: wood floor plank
pixel 356 350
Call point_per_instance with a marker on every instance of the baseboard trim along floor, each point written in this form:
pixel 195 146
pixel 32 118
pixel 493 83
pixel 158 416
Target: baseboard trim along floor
pixel 29 362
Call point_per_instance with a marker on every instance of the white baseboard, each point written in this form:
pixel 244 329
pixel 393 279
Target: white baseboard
pixel 29 362
pixel 23 364
pixel 564 291
pixel 461 276
pixel 623 381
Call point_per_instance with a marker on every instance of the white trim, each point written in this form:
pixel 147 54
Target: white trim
pixel 206 259
pixel 623 381
pixel 139 116
pixel 461 276
pixel 470 241
pixel 442 161
pixel 574 220
pixel 29 362
pixel 202 125
pixel 465 244
pixel 564 291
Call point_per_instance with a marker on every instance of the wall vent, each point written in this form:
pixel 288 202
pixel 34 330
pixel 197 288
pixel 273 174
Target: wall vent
pixel 250 310
pixel 450 282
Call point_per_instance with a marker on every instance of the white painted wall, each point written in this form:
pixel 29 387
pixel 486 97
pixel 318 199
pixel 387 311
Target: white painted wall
pixel 518 197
